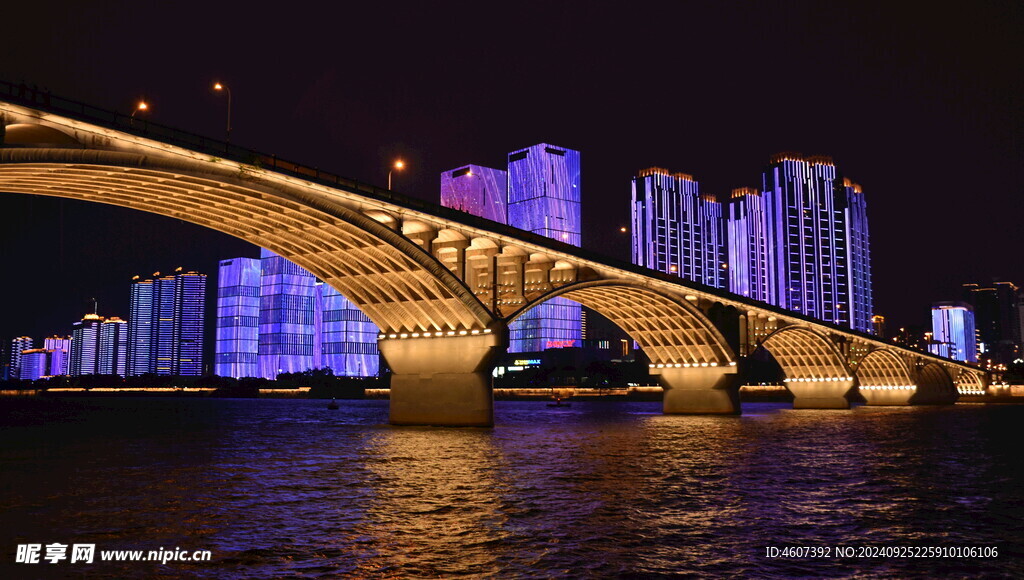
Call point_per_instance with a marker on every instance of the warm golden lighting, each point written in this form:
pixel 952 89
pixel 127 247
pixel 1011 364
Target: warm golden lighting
pixel 399 164
pixel 623 230
pixel 218 87
pixel 143 106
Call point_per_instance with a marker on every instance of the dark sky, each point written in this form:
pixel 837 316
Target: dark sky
pixel 919 102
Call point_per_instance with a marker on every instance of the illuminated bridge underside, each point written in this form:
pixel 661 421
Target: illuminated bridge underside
pixel 397 292
pixel 670 331
pixel 442 286
pixel 816 373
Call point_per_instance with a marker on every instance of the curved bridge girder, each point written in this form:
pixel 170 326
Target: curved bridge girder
pixel 392 280
pixel 671 331
pixel 805 354
pixel 934 385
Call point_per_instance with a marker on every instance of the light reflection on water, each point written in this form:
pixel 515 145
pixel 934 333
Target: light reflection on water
pixel 603 489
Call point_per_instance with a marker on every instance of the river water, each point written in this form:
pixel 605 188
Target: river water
pixel 277 488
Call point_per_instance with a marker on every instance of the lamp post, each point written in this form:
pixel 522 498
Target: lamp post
pixel 141 106
pixel 226 89
pixel 399 165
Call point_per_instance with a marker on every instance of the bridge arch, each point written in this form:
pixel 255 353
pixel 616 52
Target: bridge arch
pixel 883 378
pixel 934 385
pixel 400 287
pixel 672 332
pixel 969 383
pixel 816 373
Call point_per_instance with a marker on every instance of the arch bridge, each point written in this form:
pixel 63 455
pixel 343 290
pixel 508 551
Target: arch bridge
pixel 443 285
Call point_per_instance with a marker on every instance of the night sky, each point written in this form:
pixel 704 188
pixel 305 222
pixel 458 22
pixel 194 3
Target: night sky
pixel 920 105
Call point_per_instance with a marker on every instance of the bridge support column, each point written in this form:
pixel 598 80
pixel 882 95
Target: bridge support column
pixel 820 394
pixel 887 396
pixel 443 381
pixel 700 390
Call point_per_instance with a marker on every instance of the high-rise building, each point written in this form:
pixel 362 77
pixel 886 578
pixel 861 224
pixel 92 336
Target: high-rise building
pixel 85 346
pixel 677 230
pixel 238 316
pixel 878 326
pixel 812 225
pixel 274 317
pixel 953 332
pixel 59 359
pixel 18 345
pixel 112 358
pixel 287 324
pixel 750 265
pixel 476 190
pixel 348 340
pixel 35 364
pixel 858 259
pixel 165 325
pixel 544 198
pixel 997 316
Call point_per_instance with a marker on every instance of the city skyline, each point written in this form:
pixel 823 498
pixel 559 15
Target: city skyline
pixel 963 110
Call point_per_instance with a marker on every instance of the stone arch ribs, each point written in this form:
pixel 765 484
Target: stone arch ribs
pixel 883 378
pixel 970 383
pixel 935 386
pixel 816 373
pixel 672 332
pixel 691 358
pixel 398 286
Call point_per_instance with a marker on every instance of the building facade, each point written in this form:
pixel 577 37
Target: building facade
pixel 165 324
pixel 85 346
pixel 802 242
pixel 953 331
pixel 751 269
pixel 18 345
pixel 287 327
pixel 677 230
pixel 112 357
pixel 236 350
pixel 275 317
pixel 997 317
pixel 61 359
pixel 544 198
pixel 476 190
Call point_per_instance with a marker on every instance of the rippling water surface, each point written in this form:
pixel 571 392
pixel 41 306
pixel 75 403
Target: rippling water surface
pixel 280 488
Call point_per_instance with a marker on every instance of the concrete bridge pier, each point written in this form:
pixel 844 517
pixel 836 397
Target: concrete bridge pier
pixel 700 390
pixel 820 393
pixel 443 380
pixel 896 396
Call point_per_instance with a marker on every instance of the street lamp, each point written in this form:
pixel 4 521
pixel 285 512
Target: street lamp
pixel 399 165
pixel 141 106
pixel 225 88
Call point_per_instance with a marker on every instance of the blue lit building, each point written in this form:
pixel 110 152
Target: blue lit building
pixel 750 265
pixel 85 346
pixel 238 313
pixel 476 190
pixel 348 340
pixel 676 230
pixel 953 332
pixel 165 324
pixel 544 198
pixel 275 317
pixel 61 347
pixel 802 242
pixel 18 345
pixel 35 364
pixel 112 353
pixel 287 323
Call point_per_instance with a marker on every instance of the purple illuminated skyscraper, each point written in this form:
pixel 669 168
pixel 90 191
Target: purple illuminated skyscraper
pixel 750 265
pixel 802 243
pixel 476 190
pixel 286 319
pixel 676 230
pixel 238 315
pixel 544 198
